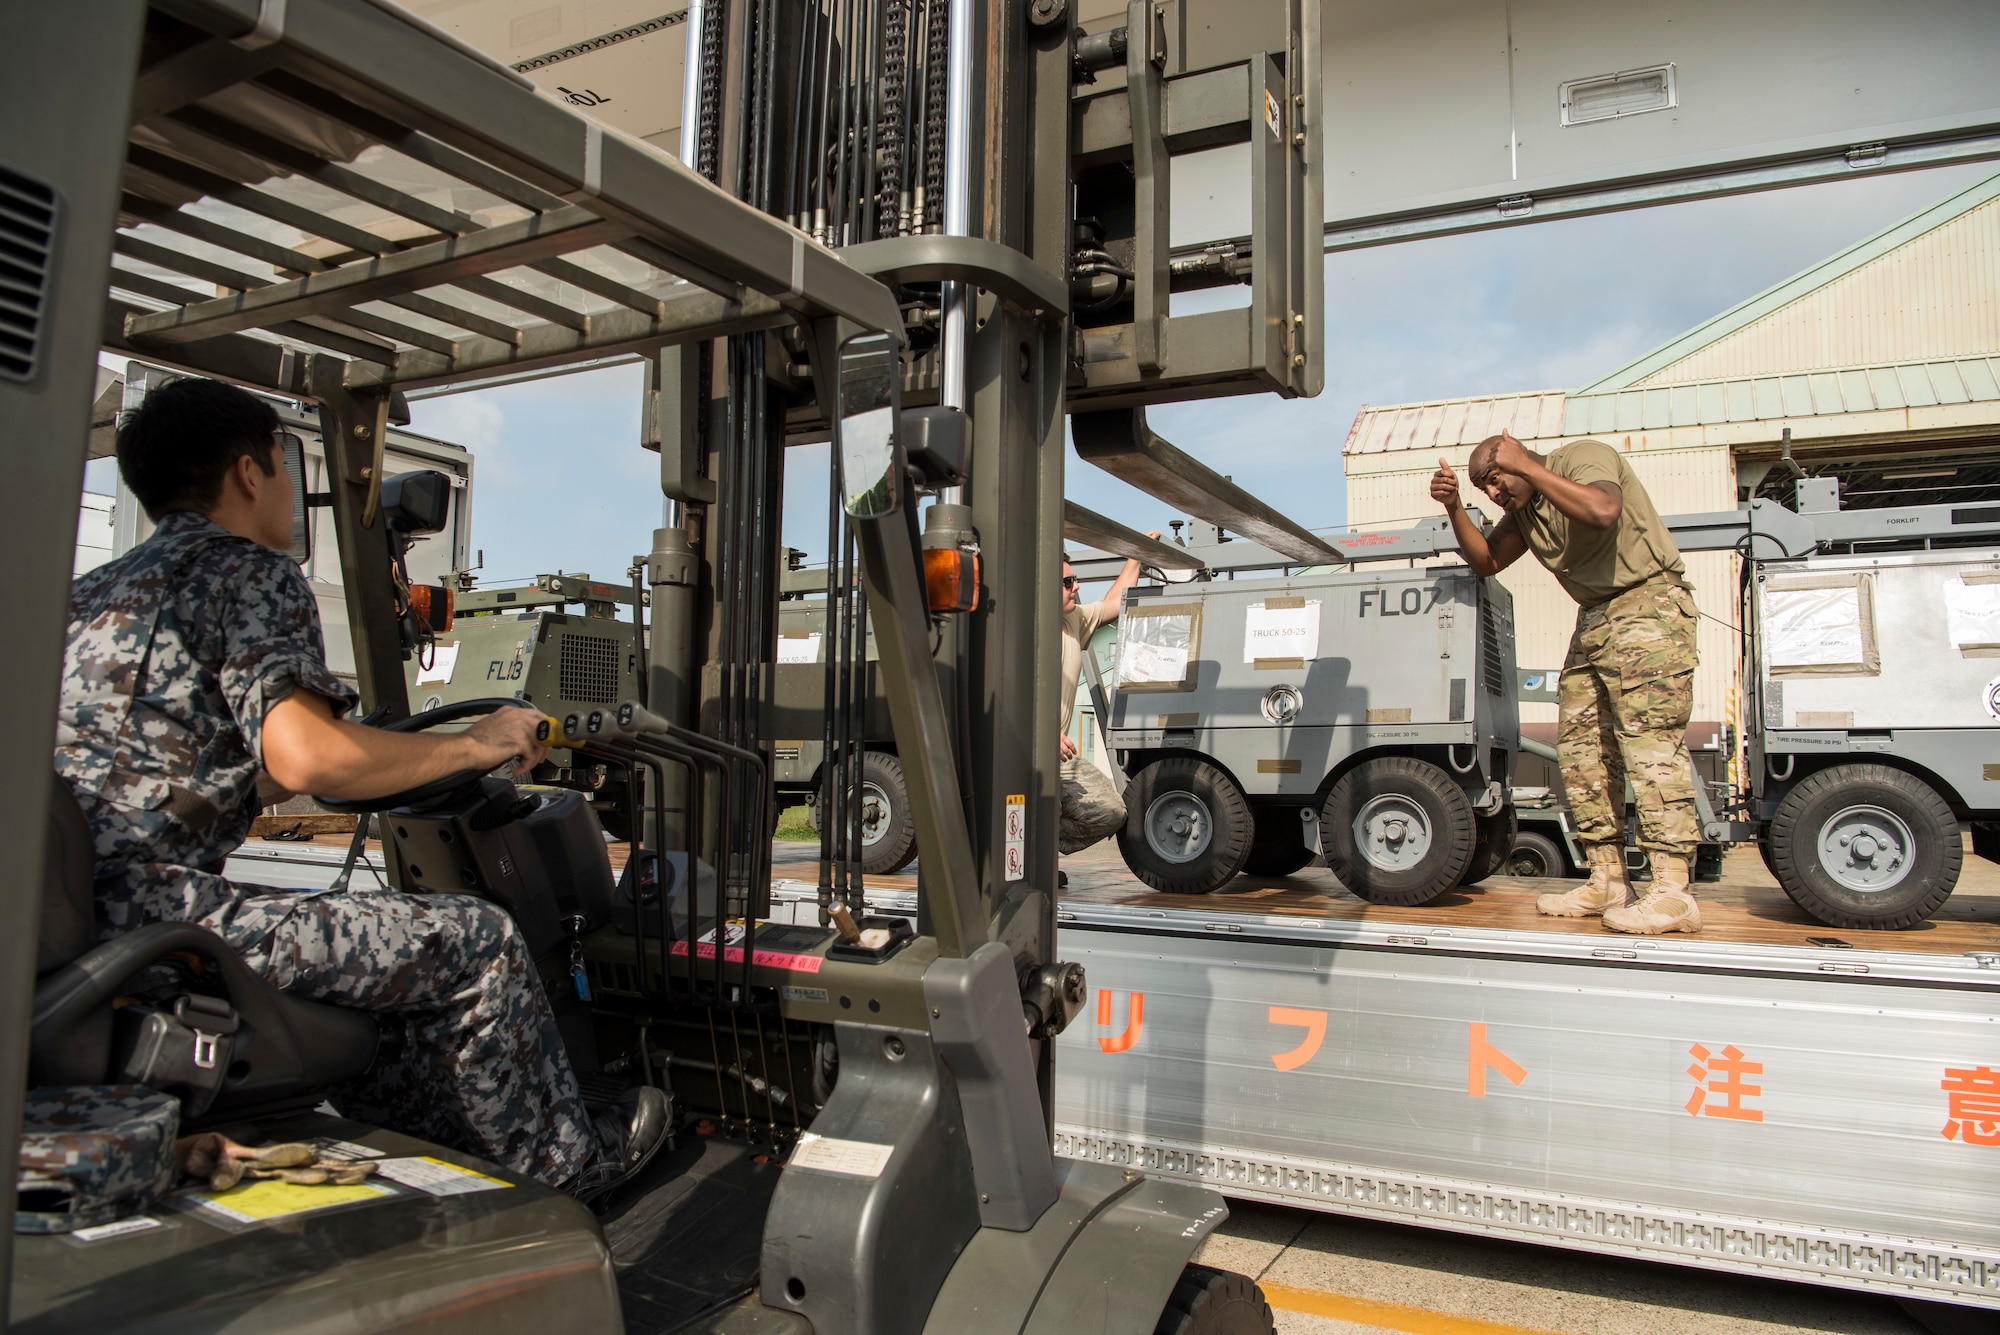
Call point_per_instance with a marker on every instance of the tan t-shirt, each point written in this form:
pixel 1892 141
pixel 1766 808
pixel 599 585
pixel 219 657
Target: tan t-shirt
pixel 1595 564
pixel 1077 628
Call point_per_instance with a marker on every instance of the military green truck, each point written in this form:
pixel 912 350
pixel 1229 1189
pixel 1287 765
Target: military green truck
pixel 799 751
pixel 523 641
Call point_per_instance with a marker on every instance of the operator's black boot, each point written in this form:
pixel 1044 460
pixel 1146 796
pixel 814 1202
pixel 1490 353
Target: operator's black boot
pixel 630 1131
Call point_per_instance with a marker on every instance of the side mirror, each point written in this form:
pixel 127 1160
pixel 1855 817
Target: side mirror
pixel 418 502
pixel 871 462
pixel 295 467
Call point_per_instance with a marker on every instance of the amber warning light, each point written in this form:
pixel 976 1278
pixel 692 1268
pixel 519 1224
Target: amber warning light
pixel 434 603
pixel 951 575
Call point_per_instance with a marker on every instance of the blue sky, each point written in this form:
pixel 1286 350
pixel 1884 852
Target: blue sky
pixel 562 484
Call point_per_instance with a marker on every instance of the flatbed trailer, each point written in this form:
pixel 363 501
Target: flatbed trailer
pixel 1770 1097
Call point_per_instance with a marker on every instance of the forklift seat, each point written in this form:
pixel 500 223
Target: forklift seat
pixel 281 1051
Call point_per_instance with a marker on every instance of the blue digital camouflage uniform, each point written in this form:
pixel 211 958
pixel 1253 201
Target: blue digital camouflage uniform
pixel 91 1154
pixel 175 651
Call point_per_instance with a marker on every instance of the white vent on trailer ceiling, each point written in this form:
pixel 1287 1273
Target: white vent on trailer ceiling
pixel 27 236
pixel 1605 97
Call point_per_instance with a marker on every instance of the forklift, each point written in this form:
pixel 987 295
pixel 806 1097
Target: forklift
pixel 923 231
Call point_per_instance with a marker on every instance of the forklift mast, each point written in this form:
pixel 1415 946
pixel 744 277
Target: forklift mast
pixel 876 237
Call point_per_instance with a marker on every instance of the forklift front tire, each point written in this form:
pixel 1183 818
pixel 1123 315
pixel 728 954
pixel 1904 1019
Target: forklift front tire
pixel 1397 831
pixel 1188 829
pixel 1215 1302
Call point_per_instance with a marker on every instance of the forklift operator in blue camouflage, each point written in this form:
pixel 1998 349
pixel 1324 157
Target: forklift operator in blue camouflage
pixel 1627 687
pixel 195 689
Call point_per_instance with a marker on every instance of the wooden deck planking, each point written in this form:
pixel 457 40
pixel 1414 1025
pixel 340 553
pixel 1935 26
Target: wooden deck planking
pixel 1746 907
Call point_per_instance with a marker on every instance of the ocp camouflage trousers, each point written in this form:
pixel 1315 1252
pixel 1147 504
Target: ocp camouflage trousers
pixel 470 1055
pixel 1625 694
pixel 1091 807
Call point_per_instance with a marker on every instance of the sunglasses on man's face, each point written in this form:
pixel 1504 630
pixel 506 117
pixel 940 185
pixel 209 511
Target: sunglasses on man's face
pixel 1069 581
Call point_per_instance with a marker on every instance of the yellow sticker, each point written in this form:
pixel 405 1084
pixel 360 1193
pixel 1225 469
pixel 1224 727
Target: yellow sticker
pixel 259 1202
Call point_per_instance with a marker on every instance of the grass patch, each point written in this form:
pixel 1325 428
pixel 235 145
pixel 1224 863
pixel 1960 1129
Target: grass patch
pixel 792 827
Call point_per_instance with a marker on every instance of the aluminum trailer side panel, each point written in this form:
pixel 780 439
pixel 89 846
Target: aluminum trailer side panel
pixel 1827 1116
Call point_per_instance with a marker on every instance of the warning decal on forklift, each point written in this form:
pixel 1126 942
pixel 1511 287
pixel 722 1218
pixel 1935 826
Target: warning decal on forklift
pixel 435 1177
pixel 844 1158
pixel 768 959
pixel 1017 836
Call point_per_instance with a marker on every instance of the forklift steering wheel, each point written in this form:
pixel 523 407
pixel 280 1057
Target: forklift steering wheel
pixel 436 788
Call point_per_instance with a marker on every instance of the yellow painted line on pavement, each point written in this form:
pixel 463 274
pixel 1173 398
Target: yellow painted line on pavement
pixel 1388 1316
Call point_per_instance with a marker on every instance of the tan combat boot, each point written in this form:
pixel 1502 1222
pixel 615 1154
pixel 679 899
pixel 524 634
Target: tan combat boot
pixel 1607 887
pixel 1668 907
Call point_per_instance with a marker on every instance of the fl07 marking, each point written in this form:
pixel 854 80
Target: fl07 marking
pixel 1408 601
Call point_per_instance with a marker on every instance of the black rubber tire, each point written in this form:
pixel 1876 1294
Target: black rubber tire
pixel 1936 854
pixel 1419 784
pixel 1232 829
pixel 1764 852
pixel 897 847
pixel 1492 844
pixel 1279 847
pixel 1537 855
pixel 1207 1301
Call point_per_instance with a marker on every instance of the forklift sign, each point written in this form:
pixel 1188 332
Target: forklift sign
pixel 1017 836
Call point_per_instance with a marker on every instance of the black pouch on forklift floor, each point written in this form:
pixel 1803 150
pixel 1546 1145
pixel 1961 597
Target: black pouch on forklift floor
pixel 183 1049
pixel 92 1154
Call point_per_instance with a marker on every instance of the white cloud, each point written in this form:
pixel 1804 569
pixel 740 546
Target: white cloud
pixel 473 420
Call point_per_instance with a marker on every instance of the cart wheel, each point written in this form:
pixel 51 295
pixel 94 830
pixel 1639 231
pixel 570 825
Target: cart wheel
pixel 1492 844
pixel 1538 856
pixel 1865 846
pixel 1279 847
pixel 1764 852
pixel 1187 829
pixel 1397 831
pixel 888 835
pixel 1215 1302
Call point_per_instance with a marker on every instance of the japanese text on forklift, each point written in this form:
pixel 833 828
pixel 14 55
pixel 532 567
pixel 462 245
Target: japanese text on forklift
pixel 930 231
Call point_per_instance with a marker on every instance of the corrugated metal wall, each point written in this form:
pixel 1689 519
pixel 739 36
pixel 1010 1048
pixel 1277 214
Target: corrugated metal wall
pixel 1935 296
pixel 1396 493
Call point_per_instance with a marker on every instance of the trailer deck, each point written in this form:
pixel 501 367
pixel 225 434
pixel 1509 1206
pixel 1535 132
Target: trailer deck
pixel 1745 908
